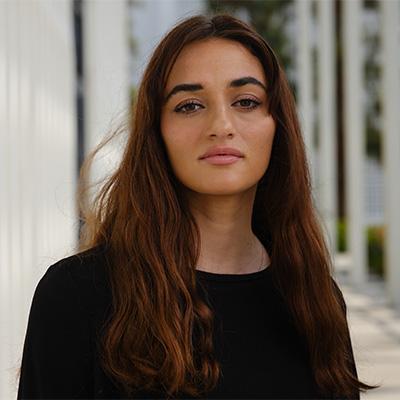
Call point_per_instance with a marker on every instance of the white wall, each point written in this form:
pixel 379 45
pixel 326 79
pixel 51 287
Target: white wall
pixel 37 160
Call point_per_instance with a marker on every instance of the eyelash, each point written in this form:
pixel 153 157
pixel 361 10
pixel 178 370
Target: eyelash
pixel 178 109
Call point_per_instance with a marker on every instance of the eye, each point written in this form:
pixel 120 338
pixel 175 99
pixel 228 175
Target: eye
pixel 187 108
pixel 245 102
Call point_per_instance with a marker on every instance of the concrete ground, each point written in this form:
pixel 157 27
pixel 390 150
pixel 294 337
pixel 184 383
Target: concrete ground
pixel 375 333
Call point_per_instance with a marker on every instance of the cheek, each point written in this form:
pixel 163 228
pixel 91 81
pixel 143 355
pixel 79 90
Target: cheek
pixel 263 137
pixel 180 149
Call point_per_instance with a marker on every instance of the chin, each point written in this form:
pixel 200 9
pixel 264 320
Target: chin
pixel 223 190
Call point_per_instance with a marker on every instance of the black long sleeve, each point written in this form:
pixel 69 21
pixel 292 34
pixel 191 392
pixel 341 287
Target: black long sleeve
pixel 259 350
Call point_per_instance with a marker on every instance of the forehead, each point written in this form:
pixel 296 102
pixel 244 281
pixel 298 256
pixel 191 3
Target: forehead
pixel 214 59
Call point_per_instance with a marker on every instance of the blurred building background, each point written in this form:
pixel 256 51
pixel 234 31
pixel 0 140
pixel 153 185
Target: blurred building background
pixel 68 72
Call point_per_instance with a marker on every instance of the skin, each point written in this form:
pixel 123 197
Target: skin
pixel 221 197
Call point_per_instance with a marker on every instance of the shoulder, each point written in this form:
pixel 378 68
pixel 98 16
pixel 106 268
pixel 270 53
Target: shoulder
pixel 79 279
pixel 62 328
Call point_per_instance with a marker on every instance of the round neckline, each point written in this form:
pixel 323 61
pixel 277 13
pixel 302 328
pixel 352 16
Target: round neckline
pixel 213 276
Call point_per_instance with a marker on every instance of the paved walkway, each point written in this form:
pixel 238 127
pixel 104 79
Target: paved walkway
pixel 375 332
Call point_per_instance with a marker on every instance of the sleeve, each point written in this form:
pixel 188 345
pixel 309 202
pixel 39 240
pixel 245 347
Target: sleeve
pixel 56 359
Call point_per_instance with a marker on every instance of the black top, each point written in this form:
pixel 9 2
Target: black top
pixel 260 351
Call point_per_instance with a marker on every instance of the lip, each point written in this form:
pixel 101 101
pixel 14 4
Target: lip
pixel 221 160
pixel 219 151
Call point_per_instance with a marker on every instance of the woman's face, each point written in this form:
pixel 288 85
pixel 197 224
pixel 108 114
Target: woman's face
pixel 217 111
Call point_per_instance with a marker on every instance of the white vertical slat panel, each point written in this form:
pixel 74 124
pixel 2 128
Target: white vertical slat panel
pixel 43 190
pixel 26 112
pixel 391 142
pixel 5 239
pixel 14 199
pixel 354 127
pixel 38 222
pixel 4 247
pixel 305 82
pixel 327 185
pixel 20 173
pixel 64 135
pixel 55 133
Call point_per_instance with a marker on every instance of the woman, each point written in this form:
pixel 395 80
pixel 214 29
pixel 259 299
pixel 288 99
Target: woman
pixel 202 269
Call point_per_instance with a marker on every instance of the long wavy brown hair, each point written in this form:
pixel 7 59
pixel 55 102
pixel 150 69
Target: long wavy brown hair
pixel 151 241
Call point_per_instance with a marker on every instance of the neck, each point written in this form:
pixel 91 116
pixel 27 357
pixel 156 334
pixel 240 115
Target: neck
pixel 228 244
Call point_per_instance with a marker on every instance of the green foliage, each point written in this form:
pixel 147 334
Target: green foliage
pixel 375 250
pixel 375 243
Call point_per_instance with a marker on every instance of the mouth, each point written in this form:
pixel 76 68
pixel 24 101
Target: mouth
pixel 222 151
pixel 221 159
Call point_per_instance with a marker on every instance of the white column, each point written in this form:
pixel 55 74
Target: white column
pixel 327 180
pixel 354 137
pixel 391 142
pixel 304 71
pixel 106 74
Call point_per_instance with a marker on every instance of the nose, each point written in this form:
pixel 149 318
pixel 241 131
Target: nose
pixel 221 122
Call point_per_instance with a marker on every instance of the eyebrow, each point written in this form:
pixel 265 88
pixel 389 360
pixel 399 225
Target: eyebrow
pixel 193 87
